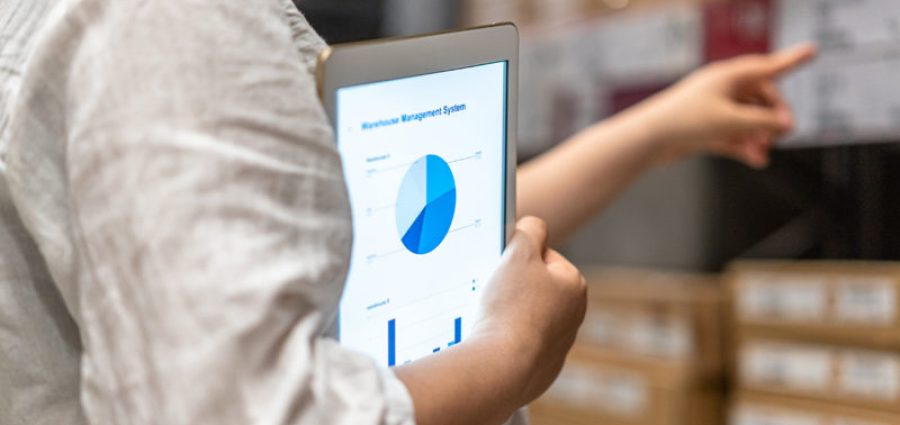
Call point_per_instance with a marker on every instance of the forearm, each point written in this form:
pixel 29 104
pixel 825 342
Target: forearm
pixel 481 381
pixel 569 184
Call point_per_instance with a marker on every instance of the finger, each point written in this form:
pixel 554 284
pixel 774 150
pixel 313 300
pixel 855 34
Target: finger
pixel 756 151
pixel 562 267
pixel 752 150
pixel 770 91
pixel 772 65
pixel 736 150
pixel 753 118
pixel 531 232
pixel 790 58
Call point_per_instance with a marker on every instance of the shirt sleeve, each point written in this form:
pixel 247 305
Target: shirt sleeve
pixel 211 223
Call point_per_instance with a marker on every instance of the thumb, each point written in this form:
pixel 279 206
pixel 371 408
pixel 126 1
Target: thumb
pixel 531 234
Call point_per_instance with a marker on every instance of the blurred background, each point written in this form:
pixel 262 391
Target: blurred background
pixel 719 294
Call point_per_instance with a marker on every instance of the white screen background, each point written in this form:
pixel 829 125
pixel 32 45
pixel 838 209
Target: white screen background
pixel 423 294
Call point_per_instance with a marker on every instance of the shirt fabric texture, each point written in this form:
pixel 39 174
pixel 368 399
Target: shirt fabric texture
pixel 174 226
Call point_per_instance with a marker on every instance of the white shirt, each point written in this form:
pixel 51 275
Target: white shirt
pixel 174 227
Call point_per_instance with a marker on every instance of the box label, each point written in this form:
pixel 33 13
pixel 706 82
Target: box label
pixel 655 46
pixel 622 393
pixel 787 366
pixel 848 95
pixel 767 297
pixel 870 375
pixel 661 336
pixel 602 327
pixel 639 332
pixel 866 300
pixel 767 416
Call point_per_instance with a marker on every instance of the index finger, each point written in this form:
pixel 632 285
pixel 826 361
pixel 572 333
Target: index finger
pixel 790 58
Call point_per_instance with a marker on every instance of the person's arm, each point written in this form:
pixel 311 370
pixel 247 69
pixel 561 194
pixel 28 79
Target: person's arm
pixel 730 108
pixel 212 231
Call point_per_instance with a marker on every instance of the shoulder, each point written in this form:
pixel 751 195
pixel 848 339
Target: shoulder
pixel 87 27
pixel 306 40
pixel 114 64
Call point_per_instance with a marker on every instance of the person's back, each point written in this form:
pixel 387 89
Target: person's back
pixel 39 342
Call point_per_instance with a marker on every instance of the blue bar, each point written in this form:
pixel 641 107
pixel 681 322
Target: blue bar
pixel 392 342
pixel 436 350
pixel 457 332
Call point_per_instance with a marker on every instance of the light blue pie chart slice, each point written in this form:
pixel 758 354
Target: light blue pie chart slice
pixel 426 204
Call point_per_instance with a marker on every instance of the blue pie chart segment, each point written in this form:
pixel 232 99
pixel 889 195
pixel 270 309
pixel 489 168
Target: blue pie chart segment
pixel 426 204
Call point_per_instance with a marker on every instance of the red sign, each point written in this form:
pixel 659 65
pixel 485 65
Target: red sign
pixel 737 27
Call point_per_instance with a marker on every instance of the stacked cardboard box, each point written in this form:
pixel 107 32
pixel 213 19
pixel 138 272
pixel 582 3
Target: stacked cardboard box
pixel 649 353
pixel 756 409
pixel 816 340
pixel 483 12
pixel 527 13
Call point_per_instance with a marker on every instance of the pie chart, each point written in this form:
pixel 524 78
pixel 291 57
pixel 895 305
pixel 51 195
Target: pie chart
pixel 426 204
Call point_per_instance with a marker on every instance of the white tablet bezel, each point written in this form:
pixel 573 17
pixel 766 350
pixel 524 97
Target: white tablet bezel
pixel 390 59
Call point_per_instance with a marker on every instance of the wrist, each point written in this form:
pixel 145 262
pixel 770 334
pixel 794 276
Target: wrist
pixel 646 129
pixel 517 353
pixel 663 134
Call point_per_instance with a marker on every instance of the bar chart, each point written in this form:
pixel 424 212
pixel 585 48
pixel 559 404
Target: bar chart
pixel 392 339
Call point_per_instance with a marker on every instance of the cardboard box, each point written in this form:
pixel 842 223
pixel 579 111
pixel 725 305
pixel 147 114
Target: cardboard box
pixel 759 409
pixel 829 373
pixel 484 12
pixel 665 316
pixel 552 13
pixel 852 303
pixel 599 386
pixel 604 7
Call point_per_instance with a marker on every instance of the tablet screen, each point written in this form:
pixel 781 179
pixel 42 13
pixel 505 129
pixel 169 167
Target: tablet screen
pixel 424 158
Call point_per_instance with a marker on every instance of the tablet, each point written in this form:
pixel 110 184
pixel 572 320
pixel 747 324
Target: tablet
pixel 425 127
